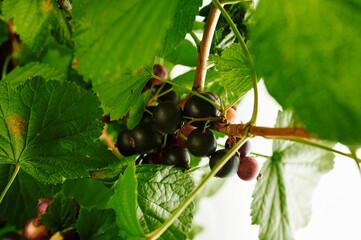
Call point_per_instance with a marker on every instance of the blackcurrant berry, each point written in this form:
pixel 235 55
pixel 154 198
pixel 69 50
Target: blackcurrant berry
pixel 147 117
pixel 248 169
pixel 169 96
pixel 123 143
pixel 34 230
pixel 144 138
pixel 43 205
pixel 197 107
pixel 201 144
pixel 159 71
pixel 177 156
pixel 242 151
pixel 152 158
pixel 168 117
pixel 229 169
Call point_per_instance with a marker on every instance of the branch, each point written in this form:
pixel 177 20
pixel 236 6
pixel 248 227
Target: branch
pixel 238 130
pixel 248 58
pixel 203 50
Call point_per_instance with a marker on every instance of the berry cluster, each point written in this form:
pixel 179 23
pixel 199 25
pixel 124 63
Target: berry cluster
pixel 166 131
pixel 248 166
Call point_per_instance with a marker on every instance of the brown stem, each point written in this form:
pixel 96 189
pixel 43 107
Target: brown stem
pixel 14 44
pixel 108 141
pixel 203 50
pixel 237 130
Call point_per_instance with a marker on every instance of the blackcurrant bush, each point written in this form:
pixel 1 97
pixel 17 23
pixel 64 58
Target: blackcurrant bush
pixel 229 169
pixel 242 151
pixel 169 96
pixel 248 169
pixel 144 138
pixel 12 236
pixel 201 144
pixel 152 158
pixel 197 107
pixel 123 143
pixel 43 205
pixel 159 71
pixel 168 117
pixel 177 156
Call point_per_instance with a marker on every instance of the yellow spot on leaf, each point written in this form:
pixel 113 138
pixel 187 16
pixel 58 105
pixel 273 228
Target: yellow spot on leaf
pixel 47 6
pixel 16 125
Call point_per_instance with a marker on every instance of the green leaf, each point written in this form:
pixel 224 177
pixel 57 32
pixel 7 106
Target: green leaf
pixel 185 54
pixel 124 203
pixel 54 54
pixel 136 112
pixel 61 213
pixel 113 36
pixel 36 20
pixel 51 130
pixel 234 73
pixel 87 192
pixel 184 17
pixel 19 204
pixel 4 32
pixel 310 64
pixel 22 73
pixel 118 97
pixel 161 189
pixel 282 197
pixel 97 224
pixel 186 80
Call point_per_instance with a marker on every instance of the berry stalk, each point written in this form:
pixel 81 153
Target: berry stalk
pixel 188 90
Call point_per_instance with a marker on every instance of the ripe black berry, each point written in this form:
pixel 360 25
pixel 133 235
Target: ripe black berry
pixel 169 96
pixel 144 138
pixel 123 143
pixel 197 107
pixel 201 144
pixel 248 169
pixel 168 117
pixel 159 71
pixel 229 169
pixel 152 158
pixel 242 151
pixel 147 117
pixel 177 156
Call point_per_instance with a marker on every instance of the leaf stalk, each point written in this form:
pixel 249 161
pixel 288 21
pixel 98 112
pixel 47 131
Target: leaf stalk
pixel 16 170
